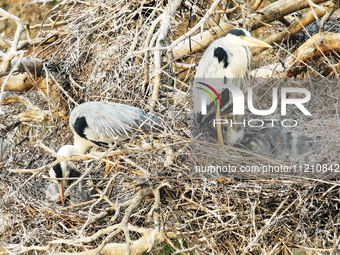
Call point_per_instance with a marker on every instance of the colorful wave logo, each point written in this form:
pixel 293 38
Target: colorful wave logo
pixel 209 93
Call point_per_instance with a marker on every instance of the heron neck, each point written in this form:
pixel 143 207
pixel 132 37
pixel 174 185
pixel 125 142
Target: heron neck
pixel 238 66
pixel 64 168
pixel 67 150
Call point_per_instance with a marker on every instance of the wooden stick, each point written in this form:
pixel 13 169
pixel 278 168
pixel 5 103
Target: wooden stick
pixel 163 32
pixel 218 125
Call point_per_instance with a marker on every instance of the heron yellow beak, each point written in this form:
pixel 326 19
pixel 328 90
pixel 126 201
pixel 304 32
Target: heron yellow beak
pixel 251 41
pixel 61 191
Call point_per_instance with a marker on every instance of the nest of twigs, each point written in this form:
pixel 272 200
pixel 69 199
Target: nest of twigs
pixel 144 195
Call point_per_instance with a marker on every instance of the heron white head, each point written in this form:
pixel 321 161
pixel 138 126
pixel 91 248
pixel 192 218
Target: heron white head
pixel 241 37
pixel 61 170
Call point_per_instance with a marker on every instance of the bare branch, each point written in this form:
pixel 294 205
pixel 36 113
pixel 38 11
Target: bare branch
pixel 197 26
pixel 313 48
pixel 264 16
pixel 20 29
pixel 163 32
pixel 296 26
pixel 9 75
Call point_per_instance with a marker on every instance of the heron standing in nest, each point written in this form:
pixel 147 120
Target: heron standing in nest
pixel 227 60
pixel 100 124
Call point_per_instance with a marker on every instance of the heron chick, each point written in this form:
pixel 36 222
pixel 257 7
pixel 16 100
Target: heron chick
pixel 100 124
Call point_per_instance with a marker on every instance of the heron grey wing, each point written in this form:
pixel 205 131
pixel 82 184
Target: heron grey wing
pixel 109 125
pixel 136 117
pixel 104 123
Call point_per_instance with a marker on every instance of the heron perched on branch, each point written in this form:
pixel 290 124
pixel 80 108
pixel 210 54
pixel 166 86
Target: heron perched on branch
pixel 103 125
pixel 227 60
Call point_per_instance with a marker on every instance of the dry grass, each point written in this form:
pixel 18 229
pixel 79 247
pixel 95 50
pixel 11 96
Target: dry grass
pixel 148 184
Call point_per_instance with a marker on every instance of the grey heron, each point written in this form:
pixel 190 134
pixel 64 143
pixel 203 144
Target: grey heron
pixel 100 124
pixel 226 60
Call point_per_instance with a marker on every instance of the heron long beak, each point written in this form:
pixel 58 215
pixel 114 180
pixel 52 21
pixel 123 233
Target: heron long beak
pixel 61 191
pixel 251 41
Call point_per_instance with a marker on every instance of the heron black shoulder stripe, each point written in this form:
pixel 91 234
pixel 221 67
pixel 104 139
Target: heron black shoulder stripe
pixel 79 126
pixel 58 171
pixel 222 56
pixel 100 144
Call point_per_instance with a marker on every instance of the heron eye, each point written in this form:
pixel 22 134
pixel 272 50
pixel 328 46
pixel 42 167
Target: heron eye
pixel 241 36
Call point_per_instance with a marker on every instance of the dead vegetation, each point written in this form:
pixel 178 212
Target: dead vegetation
pixel 146 199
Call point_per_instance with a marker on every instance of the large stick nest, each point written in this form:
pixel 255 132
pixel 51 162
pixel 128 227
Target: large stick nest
pixel 144 197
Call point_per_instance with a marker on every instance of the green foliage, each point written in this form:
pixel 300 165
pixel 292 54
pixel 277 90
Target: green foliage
pixel 166 249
